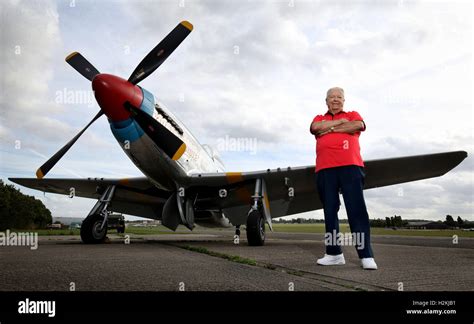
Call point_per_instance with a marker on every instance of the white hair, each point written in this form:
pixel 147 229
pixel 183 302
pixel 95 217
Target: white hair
pixel 335 88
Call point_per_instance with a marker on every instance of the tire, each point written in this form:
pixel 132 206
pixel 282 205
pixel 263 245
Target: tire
pixel 90 230
pixel 255 229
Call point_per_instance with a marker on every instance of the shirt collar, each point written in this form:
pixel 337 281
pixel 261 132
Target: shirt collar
pixel 328 113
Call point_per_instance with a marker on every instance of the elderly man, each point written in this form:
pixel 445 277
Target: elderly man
pixel 339 168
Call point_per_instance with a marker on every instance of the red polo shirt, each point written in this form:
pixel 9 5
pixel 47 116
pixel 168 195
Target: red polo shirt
pixel 338 149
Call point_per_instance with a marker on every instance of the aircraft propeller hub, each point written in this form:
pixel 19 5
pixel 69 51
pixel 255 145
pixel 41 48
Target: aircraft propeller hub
pixel 111 92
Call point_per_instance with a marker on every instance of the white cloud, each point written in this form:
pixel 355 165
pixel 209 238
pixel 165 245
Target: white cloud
pixel 30 32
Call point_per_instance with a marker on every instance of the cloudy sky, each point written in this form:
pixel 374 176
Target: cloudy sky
pixel 250 69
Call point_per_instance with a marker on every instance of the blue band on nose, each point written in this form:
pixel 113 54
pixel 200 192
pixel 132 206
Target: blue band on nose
pixel 148 103
pixel 129 133
pixel 128 129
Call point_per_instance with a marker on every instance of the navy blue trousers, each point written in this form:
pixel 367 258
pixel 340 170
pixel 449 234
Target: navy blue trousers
pixel 349 180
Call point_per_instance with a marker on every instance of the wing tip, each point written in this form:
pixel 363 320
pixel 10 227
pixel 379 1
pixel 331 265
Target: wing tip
pixel 18 181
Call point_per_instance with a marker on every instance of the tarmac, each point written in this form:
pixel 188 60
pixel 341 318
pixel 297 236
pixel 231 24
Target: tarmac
pixel 210 261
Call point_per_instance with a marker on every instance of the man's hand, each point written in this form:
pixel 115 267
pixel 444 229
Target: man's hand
pixel 340 126
pixel 323 127
pixel 323 133
pixel 349 127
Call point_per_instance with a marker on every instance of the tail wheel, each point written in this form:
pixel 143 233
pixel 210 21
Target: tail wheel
pixel 255 229
pixel 91 232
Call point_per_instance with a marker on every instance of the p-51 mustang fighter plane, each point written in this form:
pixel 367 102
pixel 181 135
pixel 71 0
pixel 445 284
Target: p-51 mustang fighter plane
pixel 184 181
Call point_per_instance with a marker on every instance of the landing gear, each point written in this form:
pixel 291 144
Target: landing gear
pixel 255 218
pixel 94 227
pixel 255 228
pixel 92 231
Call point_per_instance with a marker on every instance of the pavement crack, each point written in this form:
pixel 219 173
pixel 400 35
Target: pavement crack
pixel 228 257
pixel 333 282
pixel 345 283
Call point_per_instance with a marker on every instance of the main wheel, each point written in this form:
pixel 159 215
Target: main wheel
pixel 255 229
pixel 90 230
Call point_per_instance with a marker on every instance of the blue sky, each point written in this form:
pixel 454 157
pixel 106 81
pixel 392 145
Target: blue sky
pixel 250 69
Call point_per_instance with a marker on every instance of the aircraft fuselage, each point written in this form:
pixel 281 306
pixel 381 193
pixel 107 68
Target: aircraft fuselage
pixel 150 159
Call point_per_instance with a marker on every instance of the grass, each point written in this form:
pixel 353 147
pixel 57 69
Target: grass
pixel 319 228
pixel 304 228
pixel 128 230
pixel 47 232
pixel 279 228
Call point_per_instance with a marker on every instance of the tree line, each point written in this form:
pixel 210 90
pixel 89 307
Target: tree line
pixel 397 221
pixel 21 211
pixel 394 221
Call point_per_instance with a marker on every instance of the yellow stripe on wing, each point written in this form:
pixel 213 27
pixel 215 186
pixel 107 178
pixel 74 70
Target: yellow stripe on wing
pixel 242 193
pixel 233 177
pixel 124 181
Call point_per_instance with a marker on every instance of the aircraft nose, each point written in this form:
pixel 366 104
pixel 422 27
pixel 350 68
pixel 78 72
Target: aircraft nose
pixel 112 92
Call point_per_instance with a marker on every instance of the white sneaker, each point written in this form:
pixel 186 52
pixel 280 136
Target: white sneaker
pixel 368 264
pixel 332 260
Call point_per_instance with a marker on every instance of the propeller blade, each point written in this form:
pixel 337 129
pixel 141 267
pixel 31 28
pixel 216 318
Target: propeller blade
pixel 163 138
pixel 161 52
pixel 81 65
pixel 48 165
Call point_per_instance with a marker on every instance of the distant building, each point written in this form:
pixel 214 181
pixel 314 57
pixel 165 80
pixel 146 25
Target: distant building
pixel 55 226
pixel 68 220
pixel 426 225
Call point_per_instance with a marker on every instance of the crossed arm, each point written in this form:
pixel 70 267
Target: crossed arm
pixel 336 126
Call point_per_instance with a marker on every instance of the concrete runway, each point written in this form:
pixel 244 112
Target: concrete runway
pixel 287 261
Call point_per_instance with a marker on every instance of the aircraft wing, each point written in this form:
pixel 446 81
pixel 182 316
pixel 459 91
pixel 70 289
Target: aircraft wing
pixel 133 196
pixel 289 190
pixel 292 190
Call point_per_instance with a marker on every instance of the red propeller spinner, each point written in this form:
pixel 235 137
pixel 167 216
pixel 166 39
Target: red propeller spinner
pixel 112 92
